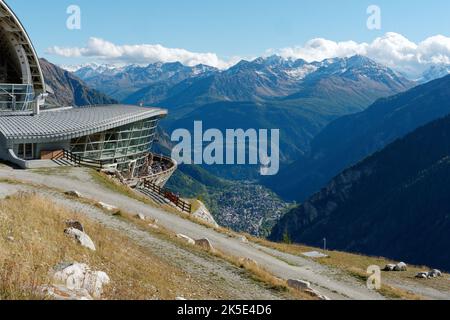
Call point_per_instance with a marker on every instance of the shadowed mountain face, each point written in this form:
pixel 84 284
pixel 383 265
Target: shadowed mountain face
pixel 68 89
pixel 349 139
pixel 395 203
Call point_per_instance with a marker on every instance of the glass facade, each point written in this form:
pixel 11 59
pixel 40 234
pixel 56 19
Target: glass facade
pixel 127 146
pixel 16 97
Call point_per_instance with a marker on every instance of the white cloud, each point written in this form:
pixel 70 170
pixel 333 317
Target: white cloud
pixel 392 49
pixel 144 53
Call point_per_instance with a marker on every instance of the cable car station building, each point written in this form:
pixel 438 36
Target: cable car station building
pixel 33 136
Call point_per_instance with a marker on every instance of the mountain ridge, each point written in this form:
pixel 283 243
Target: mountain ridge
pixel 393 203
pixel 69 90
pixel 351 138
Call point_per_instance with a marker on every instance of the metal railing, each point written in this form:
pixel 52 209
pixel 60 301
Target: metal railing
pixel 80 161
pixel 169 195
pixel 16 97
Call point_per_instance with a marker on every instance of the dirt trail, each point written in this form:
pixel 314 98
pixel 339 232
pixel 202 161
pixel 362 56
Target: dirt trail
pixel 329 282
pixel 212 272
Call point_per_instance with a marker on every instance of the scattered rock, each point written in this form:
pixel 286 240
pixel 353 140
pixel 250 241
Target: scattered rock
pixel 389 267
pixel 305 286
pixel 186 239
pixel 81 237
pixel 243 239
pixel 317 294
pixel 108 207
pixel 62 293
pixel 140 216
pixel 396 267
pixel 10 239
pixel 248 261
pixel 75 277
pixel 422 275
pixel 435 273
pixel 205 244
pixel 153 226
pixel 74 194
pixel 429 275
pixel 401 267
pixel 180 299
pixel 315 255
pixel 75 225
pixel 299 285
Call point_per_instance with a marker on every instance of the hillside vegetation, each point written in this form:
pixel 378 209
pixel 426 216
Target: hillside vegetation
pixel 394 204
pixel 33 241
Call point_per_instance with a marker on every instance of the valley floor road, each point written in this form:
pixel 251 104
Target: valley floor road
pixel 329 282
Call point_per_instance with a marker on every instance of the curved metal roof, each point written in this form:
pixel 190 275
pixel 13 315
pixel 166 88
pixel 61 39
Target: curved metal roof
pixel 69 123
pixel 17 38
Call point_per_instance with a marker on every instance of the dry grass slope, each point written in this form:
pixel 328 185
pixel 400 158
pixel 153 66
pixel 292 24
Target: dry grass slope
pixel 32 241
pixel 356 266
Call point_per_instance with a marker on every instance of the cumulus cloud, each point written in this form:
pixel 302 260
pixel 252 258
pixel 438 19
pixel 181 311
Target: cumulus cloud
pixel 143 53
pixel 392 49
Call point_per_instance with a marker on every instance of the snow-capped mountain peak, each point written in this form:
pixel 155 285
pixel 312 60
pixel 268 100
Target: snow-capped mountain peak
pixel 435 72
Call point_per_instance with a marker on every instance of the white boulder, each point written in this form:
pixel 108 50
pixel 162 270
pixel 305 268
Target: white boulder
pixel 422 275
pixel 435 273
pixel 75 277
pixel 401 267
pixel 186 239
pixel 108 207
pixel 389 267
pixel 153 226
pixel 81 237
pixel 243 239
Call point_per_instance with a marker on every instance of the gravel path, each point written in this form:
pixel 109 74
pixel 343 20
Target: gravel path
pixel 210 271
pixel 285 266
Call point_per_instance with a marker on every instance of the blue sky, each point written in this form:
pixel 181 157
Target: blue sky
pixel 243 28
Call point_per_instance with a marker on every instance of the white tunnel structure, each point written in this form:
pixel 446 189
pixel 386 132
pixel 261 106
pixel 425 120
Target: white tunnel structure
pixel 21 79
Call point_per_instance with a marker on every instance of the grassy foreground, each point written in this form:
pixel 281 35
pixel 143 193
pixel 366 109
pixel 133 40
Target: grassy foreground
pixel 32 241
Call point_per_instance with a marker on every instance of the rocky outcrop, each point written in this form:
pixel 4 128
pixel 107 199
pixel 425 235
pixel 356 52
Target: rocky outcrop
pixel 202 213
pixel 76 281
pixel 70 90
